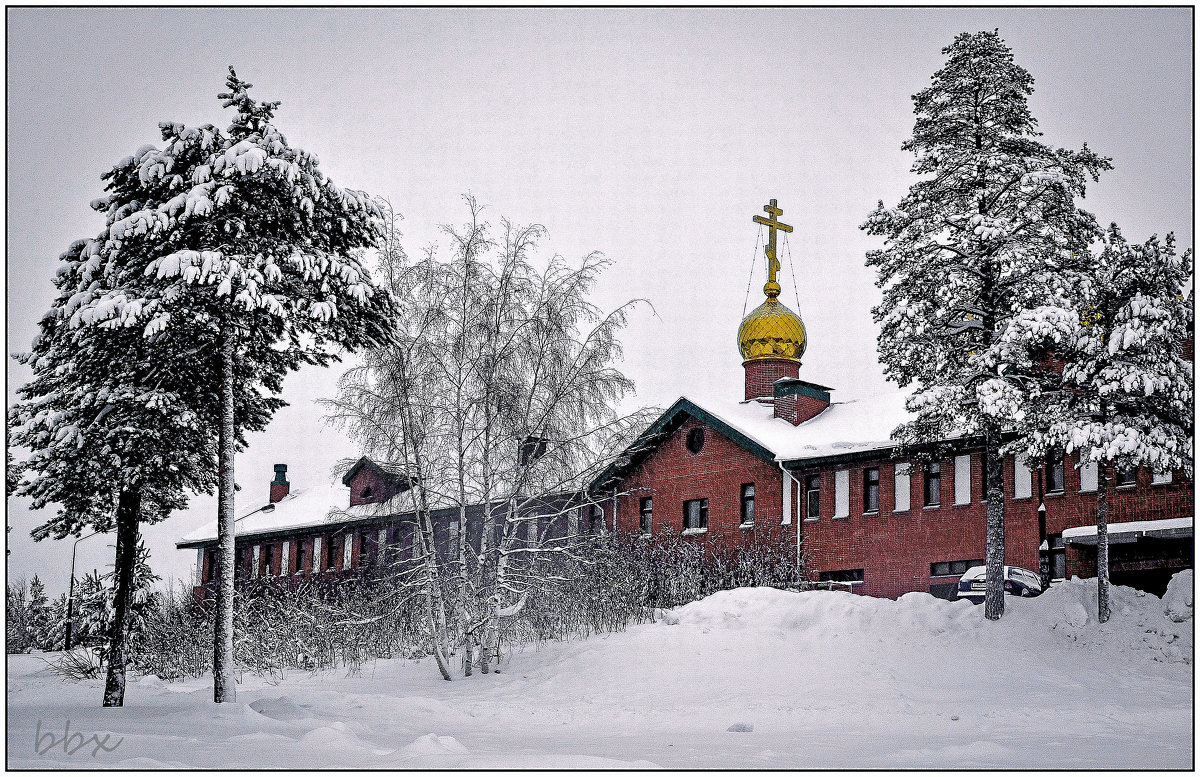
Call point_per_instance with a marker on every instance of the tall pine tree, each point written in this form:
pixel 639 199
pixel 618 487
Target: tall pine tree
pixel 989 230
pixel 239 236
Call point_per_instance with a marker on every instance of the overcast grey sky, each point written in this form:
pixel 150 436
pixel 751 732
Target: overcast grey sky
pixel 650 135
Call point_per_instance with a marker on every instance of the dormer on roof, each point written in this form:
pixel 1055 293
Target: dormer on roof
pixel 371 483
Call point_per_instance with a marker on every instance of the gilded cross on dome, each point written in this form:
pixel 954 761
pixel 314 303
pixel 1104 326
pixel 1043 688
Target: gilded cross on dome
pixel 773 223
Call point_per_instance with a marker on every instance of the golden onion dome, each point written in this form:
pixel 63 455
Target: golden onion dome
pixel 772 331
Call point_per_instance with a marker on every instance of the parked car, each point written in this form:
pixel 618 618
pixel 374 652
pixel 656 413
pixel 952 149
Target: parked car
pixel 1017 581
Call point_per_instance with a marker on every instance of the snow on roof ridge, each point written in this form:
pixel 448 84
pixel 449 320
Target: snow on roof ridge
pixel 846 426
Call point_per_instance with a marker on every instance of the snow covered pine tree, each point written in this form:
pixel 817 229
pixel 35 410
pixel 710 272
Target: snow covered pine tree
pixel 1124 397
pixel 989 231
pixel 113 437
pixel 238 239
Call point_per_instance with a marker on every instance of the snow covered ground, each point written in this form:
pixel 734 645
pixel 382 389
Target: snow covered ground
pixel 749 678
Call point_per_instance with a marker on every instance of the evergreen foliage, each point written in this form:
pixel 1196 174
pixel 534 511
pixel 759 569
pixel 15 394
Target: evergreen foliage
pixel 989 231
pixel 1124 397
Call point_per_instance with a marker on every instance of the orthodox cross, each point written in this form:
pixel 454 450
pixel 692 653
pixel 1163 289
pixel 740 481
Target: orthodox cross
pixel 772 224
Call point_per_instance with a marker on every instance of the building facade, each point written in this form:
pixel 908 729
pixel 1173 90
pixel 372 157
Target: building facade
pixel 353 529
pixel 788 461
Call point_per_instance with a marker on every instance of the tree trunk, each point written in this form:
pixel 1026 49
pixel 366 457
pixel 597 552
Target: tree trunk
pixel 993 602
pixel 223 688
pixel 128 505
pixel 1102 546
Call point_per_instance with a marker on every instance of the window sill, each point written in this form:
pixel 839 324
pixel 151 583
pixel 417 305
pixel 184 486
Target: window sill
pixel 966 504
pixel 812 520
pixel 644 536
pixel 842 517
pixel 1055 494
pixel 1160 485
pixel 745 526
pixel 689 532
pixel 1126 487
pixel 932 507
pixel 869 513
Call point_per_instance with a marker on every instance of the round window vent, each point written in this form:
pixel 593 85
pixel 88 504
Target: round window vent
pixel 695 440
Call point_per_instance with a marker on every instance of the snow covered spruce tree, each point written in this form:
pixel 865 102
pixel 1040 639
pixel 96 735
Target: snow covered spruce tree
pixel 990 230
pixel 499 392
pixel 113 437
pixel 1124 396
pixel 239 237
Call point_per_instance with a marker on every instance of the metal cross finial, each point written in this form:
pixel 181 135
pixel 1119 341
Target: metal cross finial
pixel 772 225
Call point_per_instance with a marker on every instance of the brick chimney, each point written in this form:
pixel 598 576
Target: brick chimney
pixel 796 401
pixel 280 485
pixel 761 375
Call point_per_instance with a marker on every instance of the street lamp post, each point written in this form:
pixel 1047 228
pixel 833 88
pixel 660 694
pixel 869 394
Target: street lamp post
pixel 71 590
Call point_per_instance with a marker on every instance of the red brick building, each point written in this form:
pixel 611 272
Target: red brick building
pixel 335 530
pixel 787 460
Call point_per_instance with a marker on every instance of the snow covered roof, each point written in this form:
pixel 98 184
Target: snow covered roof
pixel 844 427
pixel 853 426
pixel 302 508
pixel 1165 527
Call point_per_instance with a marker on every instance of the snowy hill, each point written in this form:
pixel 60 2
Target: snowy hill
pixel 746 678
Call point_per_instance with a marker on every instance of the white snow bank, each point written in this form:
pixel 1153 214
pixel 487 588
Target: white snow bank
pixel 750 678
pixel 1177 600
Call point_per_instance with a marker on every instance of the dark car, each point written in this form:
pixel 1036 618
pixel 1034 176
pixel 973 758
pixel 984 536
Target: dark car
pixel 1017 581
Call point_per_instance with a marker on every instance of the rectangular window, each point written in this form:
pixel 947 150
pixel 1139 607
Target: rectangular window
pixel 210 567
pixel 1054 475
pixel 871 490
pixel 962 480
pixel 269 552
pixel 1089 476
pixel 748 504
pixel 368 547
pixel 812 497
pixel 903 487
pixel 595 521
pixel 1022 479
pixel 242 561
pixel 843 576
pixel 1126 477
pixel 646 522
pixel 333 552
pixel 695 514
pixel 841 493
pixel 956 568
pixel 933 484
pixel 1161 478
pixel 302 547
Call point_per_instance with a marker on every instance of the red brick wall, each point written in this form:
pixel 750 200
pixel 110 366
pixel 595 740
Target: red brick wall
pixel 672 474
pixel 761 375
pixel 896 549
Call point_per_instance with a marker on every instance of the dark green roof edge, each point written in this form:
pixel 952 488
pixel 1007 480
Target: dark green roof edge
pixel 682 406
pixel 784 388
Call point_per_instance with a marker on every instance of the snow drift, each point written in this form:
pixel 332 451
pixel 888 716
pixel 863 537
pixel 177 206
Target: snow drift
pixel 745 678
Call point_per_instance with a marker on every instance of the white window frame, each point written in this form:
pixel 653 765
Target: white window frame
pixel 1022 480
pixel 903 493
pixel 841 493
pixel 962 480
pixel 1089 476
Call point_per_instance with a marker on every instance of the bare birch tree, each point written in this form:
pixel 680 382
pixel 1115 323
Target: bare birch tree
pixel 499 394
